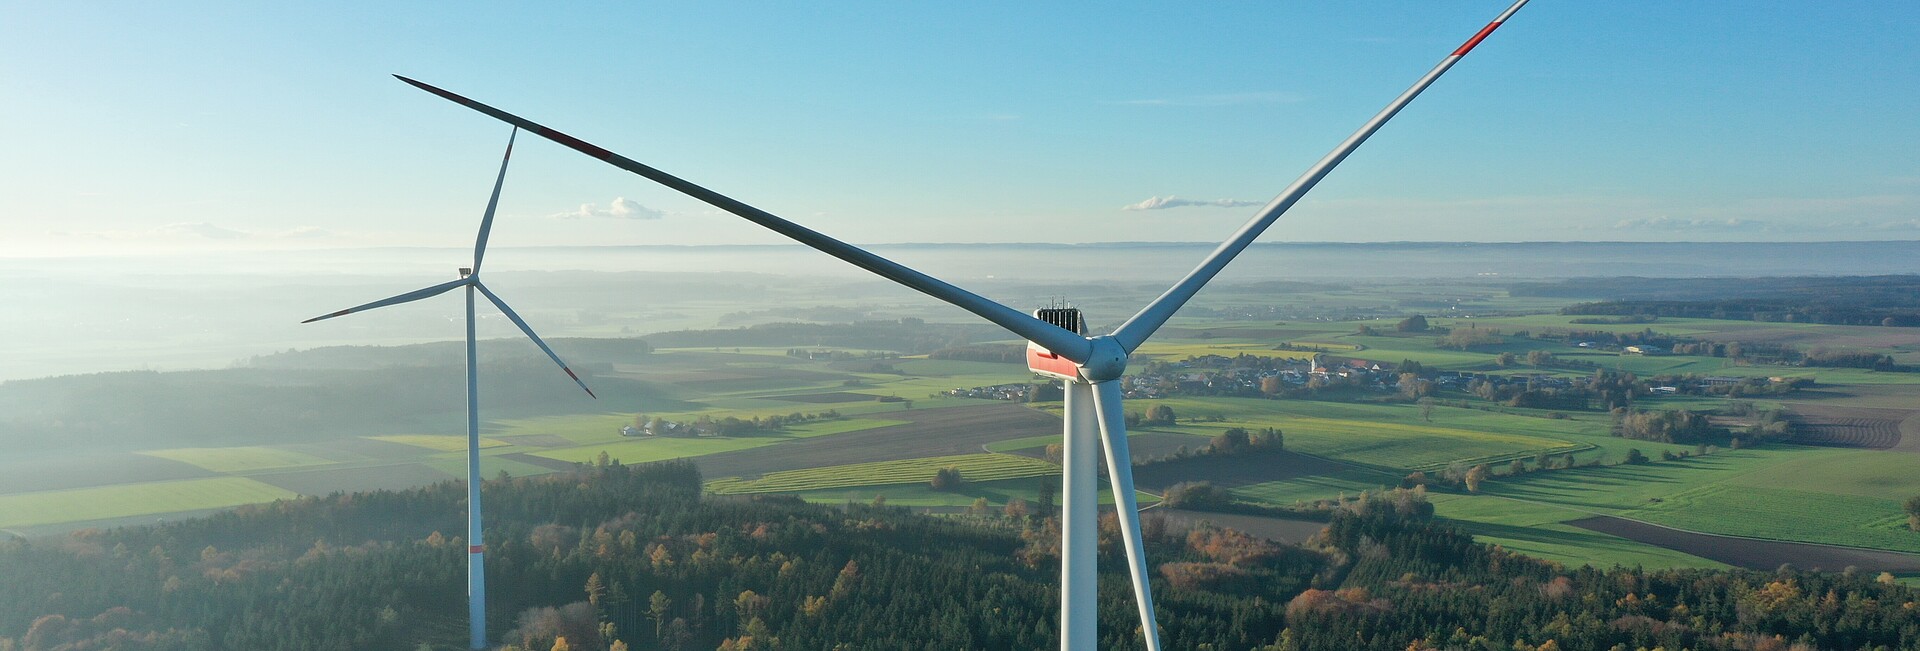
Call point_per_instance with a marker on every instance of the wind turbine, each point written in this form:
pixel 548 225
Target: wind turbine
pixel 470 279
pixel 1058 347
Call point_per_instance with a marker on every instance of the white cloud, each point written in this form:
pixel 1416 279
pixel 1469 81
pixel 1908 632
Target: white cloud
pixel 620 208
pixel 1161 203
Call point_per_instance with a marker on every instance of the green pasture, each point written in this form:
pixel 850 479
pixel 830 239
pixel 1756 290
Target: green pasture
pixel 1537 530
pixel 239 459
pixel 647 450
pixel 922 495
pixel 1348 482
pixel 1880 474
pixel 438 442
pixel 124 500
pixel 1819 495
pixel 980 467
pixel 1786 514
pixel 1382 435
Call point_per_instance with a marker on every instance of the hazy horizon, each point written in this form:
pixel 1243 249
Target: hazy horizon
pixel 209 310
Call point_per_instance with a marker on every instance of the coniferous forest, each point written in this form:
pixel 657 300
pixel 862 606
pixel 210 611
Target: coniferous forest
pixel 634 557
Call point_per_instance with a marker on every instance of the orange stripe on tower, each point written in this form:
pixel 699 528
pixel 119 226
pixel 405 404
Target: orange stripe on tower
pixel 476 549
pixel 1484 31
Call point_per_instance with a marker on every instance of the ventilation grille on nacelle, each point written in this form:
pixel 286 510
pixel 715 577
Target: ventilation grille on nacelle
pixel 1067 318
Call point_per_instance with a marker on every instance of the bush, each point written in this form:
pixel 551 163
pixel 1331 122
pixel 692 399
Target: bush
pixel 946 479
pixel 1199 496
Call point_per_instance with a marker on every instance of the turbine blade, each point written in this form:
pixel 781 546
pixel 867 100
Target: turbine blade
pixel 408 297
pixel 536 338
pixel 1136 330
pixel 1113 439
pixel 486 221
pixel 1065 344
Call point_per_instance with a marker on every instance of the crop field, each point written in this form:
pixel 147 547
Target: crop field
pixel 1756 554
pixel 983 467
pixel 104 502
pixel 920 495
pixel 931 433
pixel 325 481
pixel 1786 514
pixel 240 459
pixel 59 472
pixel 646 450
pixel 1387 436
pixel 1851 427
pixel 1541 530
pixel 438 442
pixel 1769 493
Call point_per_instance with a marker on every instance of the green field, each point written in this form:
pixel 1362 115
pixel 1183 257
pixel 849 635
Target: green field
pixel 921 495
pixel 103 502
pixel 1536 530
pixel 1382 435
pixel 973 467
pixel 438 442
pixel 656 449
pixel 1780 492
pixel 239 459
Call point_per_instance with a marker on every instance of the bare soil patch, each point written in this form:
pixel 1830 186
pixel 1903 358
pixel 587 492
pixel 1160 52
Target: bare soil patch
pixel 85 469
pixel 1233 471
pixel 354 480
pixel 1852 427
pixel 931 433
pixel 826 398
pixel 1753 554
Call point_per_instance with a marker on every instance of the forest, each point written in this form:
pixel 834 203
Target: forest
pixel 614 556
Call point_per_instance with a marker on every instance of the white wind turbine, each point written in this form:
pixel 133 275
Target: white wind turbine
pixel 1058 347
pixel 470 279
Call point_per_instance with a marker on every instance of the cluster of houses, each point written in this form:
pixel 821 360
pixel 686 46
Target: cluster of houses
pixel 1016 392
pixel 1216 374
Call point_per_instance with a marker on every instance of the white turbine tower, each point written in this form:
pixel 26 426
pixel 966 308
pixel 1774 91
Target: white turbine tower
pixel 1059 347
pixel 470 279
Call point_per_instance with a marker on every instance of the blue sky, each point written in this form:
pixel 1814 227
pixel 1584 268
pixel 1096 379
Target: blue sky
pixel 192 125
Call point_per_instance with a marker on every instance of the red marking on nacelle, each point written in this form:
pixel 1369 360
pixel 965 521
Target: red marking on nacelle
pixel 583 146
pixel 1484 31
pixel 1040 360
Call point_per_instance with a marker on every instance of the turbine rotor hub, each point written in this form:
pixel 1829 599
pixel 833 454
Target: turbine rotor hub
pixel 1108 360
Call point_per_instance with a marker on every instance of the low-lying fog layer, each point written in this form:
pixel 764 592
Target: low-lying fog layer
pixel 81 315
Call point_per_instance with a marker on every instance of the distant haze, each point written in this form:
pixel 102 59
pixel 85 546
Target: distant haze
pixel 81 315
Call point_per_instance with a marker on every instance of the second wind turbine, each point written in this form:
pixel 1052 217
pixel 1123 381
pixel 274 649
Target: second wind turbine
pixel 470 279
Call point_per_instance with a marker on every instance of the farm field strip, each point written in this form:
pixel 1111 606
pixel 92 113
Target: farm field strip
pixel 438 442
pixel 1785 514
pixel 1539 530
pixel 239 459
pixel 104 502
pixel 981 467
pixel 647 450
